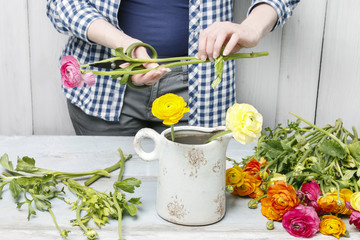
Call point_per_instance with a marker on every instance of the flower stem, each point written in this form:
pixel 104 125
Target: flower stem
pixel 109 169
pixel 217 135
pixel 172 133
pixel 54 220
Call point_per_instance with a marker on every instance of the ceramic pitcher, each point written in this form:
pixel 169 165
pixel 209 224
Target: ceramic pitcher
pixel 191 178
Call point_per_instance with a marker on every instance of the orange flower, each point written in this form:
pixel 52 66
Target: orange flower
pixel 257 193
pixel 234 176
pixel 280 198
pixel 328 203
pixel 249 186
pixel 332 225
pixel 253 167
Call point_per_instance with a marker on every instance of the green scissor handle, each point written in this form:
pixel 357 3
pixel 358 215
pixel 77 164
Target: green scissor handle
pixel 136 64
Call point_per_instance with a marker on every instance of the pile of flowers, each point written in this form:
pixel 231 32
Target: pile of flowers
pixel 316 190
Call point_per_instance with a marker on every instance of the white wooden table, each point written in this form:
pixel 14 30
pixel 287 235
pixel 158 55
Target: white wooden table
pixel 79 153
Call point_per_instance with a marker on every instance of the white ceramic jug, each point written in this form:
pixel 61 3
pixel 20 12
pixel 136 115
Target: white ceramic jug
pixel 191 178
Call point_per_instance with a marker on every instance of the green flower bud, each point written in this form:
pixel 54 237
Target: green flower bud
pixel 229 188
pixel 252 204
pixel 64 233
pixel 91 234
pixel 270 225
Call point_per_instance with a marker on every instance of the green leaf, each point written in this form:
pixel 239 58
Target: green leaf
pixel 2 185
pixel 135 201
pixel 41 205
pixel 4 161
pixel 131 209
pixel 354 149
pixel 348 174
pixel 15 189
pixel 332 148
pixel 31 211
pixel 128 185
pixel 219 66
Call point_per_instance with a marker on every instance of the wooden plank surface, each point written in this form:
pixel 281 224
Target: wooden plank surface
pixel 49 103
pixel 15 88
pixel 300 62
pixel 340 73
pixel 79 153
pixel 257 79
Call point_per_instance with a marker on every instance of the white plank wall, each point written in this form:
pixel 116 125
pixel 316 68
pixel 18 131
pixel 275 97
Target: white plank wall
pixel 312 69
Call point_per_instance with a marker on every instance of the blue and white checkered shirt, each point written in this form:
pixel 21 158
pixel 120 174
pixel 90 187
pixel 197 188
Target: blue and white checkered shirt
pixel 104 100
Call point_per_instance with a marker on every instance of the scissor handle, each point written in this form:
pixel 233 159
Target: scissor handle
pixel 131 48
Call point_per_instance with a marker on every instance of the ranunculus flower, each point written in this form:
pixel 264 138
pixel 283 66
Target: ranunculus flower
pixel 234 176
pixel 355 201
pixel 170 108
pixel 281 197
pixel 249 185
pixel 332 225
pixel 311 190
pixel 301 221
pixel 245 122
pixel 253 166
pixel 328 203
pixel 71 74
pixel 355 219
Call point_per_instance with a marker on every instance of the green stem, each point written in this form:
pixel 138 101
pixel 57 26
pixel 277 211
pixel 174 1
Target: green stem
pixel 109 169
pixel 73 175
pixel 355 185
pixel 172 133
pixel 182 59
pixel 54 220
pixel 119 211
pixel 218 135
pixel 322 130
pixel 78 217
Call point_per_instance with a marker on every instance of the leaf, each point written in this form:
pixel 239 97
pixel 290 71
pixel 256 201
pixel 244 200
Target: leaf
pixel 31 211
pixel 41 205
pixel 354 149
pixel 4 161
pixel 132 209
pixel 2 185
pixel 135 201
pixel 15 189
pixel 128 185
pixel 219 66
pixel 348 174
pixel 332 148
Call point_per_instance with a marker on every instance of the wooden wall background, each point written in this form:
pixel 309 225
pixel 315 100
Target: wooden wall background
pixel 313 68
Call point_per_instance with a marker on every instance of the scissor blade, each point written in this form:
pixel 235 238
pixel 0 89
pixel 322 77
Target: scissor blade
pixel 109 65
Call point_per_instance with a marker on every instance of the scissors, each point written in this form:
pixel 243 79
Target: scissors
pixel 122 57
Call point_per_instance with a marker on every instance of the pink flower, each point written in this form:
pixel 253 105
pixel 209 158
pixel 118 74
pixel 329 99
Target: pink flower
pixel 301 221
pixel 71 74
pixel 355 219
pixel 311 190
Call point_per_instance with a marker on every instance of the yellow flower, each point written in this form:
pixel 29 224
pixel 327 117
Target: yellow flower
pixel 332 225
pixel 355 201
pixel 170 108
pixel 234 176
pixel 245 122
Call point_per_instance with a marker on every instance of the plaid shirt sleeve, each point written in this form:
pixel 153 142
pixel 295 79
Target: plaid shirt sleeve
pixel 72 17
pixel 283 8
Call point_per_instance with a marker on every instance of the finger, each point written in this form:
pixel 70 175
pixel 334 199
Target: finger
pixel 210 41
pixel 232 43
pixel 219 43
pixel 202 46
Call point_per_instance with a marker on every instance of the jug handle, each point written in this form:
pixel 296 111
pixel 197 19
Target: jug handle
pixel 146 133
